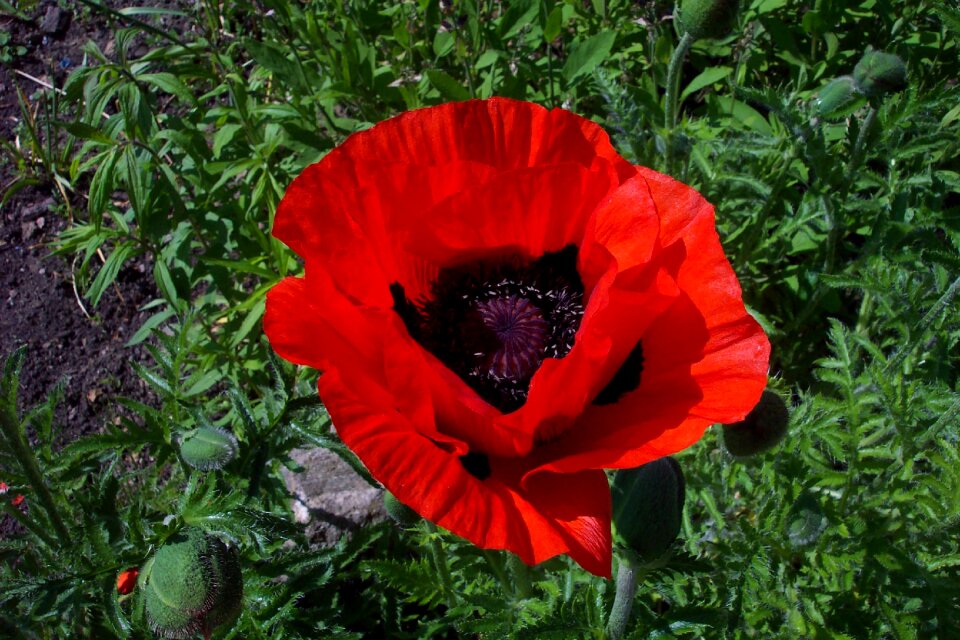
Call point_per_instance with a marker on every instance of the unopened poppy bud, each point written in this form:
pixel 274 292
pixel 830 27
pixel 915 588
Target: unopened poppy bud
pixel 194 584
pixel 127 581
pixel 708 18
pixel 399 512
pixel 880 73
pixel 805 521
pixel 648 507
pixel 207 448
pixel 762 429
pixel 837 96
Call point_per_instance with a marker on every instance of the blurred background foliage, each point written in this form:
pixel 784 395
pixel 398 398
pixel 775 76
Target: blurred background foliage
pixel 843 226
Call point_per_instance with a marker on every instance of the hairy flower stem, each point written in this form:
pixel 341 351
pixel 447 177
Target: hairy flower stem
pixel 440 563
pixel 856 157
pixel 28 462
pixel 627 576
pixel 521 577
pixel 671 99
pixel 495 562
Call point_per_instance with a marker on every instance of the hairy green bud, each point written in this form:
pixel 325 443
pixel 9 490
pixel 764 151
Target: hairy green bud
pixel 648 507
pixel 194 584
pixel 763 428
pixel 207 448
pixel 837 97
pixel 805 521
pixel 399 512
pixel 708 18
pixel 880 73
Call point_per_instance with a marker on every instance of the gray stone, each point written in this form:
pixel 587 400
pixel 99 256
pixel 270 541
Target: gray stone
pixel 55 21
pixel 329 497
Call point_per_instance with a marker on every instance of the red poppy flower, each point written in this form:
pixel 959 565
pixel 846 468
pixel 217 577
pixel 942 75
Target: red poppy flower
pixel 501 307
pixel 3 487
pixel 18 500
pixel 127 581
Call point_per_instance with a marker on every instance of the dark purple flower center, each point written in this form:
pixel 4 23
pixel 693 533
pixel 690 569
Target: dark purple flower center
pixel 493 322
pixel 521 334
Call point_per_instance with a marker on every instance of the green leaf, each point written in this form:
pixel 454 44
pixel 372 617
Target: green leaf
pixel 708 77
pixel 223 136
pixel 274 59
pixel 171 84
pixel 519 14
pixel 447 86
pixel 149 325
pixel 110 269
pixel 443 43
pixel 551 30
pixel 590 53
pixel 101 187
pixel 84 131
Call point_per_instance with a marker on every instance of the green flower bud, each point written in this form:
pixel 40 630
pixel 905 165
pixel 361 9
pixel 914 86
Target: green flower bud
pixel 207 448
pixel 880 73
pixel 399 512
pixel 648 507
pixel 194 585
pixel 838 97
pixel 708 18
pixel 805 521
pixel 763 428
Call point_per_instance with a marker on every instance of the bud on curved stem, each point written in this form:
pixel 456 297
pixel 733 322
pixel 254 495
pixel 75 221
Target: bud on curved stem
pixel 837 97
pixel 762 429
pixel 207 448
pixel 400 513
pixel 648 508
pixel 192 584
pixel 708 18
pixel 879 73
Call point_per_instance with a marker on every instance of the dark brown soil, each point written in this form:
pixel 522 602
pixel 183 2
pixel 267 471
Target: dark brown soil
pixel 39 305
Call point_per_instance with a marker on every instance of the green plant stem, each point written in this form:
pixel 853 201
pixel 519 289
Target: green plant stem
pixel 627 576
pixel 553 101
pixel 495 562
pixel 671 99
pixel 28 462
pixel 859 147
pixel 856 157
pixel 440 562
pixel 521 577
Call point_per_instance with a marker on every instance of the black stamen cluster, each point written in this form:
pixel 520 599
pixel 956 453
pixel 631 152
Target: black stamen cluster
pixel 449 324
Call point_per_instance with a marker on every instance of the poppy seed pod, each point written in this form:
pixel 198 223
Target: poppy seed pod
pixel 763 428
pixel 880 73
pixel 399 512
pixel 708 18
pixel 207 448
pixel 194 585
pixel 648 507
pixel 836 96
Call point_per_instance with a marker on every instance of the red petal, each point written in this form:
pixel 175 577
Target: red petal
pixel 704 359
pixel 499 132
pixel 626 293
pixel 732 371
pixel 343 215
pixel 566 515
pixel 309 322
pixel 530 210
